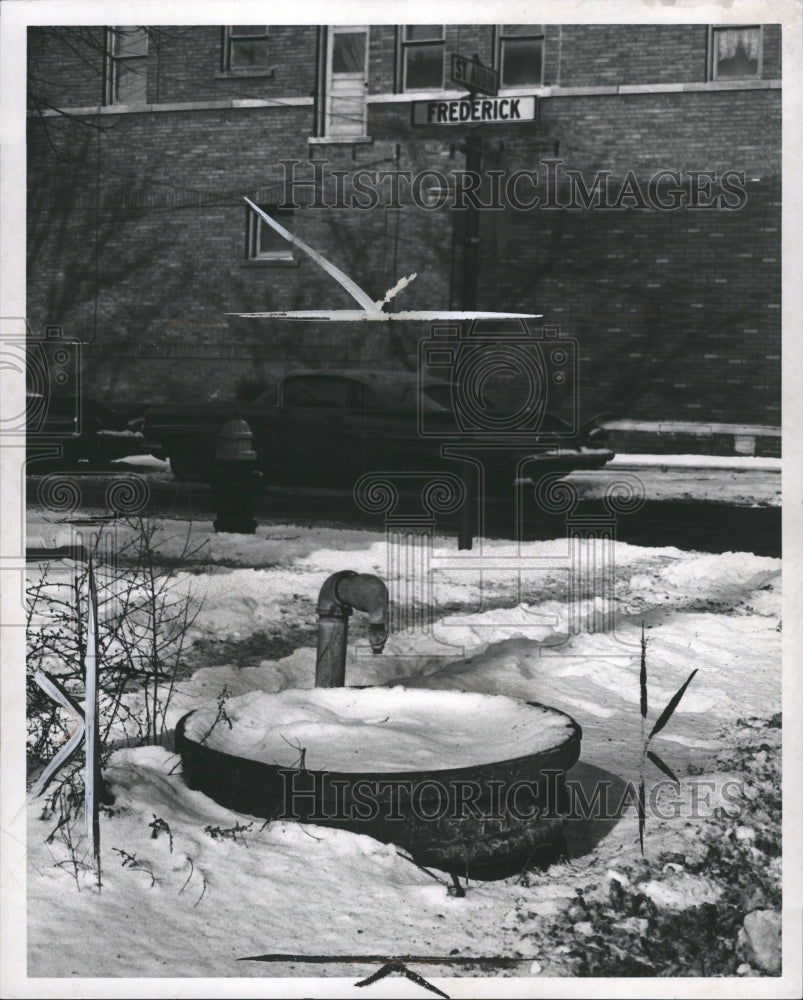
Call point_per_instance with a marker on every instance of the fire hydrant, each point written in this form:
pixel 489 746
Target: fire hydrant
pixel 234 478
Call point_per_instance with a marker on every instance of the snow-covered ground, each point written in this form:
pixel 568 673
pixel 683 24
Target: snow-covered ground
pixel 190 887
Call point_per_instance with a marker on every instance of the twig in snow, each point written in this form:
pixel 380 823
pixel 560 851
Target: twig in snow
pixel 426 871
pixel 302 752
pixel 455 889
pixel 131 861
pixel 192 872
pixel 221 716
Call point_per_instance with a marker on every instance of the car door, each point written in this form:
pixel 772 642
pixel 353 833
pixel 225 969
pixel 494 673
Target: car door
pixel 309 446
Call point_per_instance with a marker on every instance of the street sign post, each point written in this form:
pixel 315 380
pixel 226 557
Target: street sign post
pixel 474 76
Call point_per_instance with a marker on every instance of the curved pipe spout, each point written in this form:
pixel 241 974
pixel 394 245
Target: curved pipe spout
pixel 339 596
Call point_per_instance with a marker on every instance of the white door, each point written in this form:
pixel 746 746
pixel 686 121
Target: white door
pixel 347 62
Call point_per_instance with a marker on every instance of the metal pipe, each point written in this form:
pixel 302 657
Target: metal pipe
pixel 341 594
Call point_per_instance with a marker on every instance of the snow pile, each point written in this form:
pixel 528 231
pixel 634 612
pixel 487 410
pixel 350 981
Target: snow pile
pixel 384 729
pixel 737 463
pixel 711 577
pixel 197 543
pixel 278 887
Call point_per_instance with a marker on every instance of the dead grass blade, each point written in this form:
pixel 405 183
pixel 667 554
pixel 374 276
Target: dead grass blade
pixel 643 674
pixel 673 703
pixel 642 814
pixel 662 766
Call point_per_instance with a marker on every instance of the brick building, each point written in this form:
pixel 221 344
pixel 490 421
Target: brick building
pixel 643 218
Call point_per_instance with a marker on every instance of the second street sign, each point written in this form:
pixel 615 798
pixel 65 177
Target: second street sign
pixel 485 109
pixel 471 74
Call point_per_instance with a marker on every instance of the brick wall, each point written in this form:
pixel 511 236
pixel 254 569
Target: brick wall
pixel 65 67
pixel 184 63
pixel 136 231
pixel 173 77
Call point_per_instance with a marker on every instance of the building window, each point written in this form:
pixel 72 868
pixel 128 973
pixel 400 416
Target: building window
pixel 346 80
pixel 520 56
pixel 127 65
pixel 423 47
pixel 262 242
pixel 735 53
pixel 245 48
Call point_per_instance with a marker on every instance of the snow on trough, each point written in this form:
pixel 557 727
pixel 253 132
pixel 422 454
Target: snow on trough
pixel 379 729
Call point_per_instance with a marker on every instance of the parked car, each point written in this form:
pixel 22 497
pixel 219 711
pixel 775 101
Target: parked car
pixel 65 431
pixel 328 428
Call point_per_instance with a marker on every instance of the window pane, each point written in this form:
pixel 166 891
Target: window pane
pixel 263 240
pixel 348 52
pixel 423 32
pixel 736 52
pixel 424 67
pixel 521 61
pixel 270 242
pixel 130 81
pixel 249 54
pixel 130 41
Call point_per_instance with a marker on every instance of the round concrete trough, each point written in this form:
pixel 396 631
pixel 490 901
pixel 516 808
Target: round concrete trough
pixel 490 818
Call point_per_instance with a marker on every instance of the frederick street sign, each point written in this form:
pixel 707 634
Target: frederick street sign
pixel 462 111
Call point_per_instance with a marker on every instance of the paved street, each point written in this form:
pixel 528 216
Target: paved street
pixel 707 508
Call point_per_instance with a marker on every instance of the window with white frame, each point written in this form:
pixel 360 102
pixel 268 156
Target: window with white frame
pixel 346 80
pixel 246 48
pixel 735 53
pixel 520 55
pixel 262 242
pixel 422 56
pixel 126 65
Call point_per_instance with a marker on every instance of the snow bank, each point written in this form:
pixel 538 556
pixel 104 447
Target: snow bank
pixel 752 463
pixel 196 542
